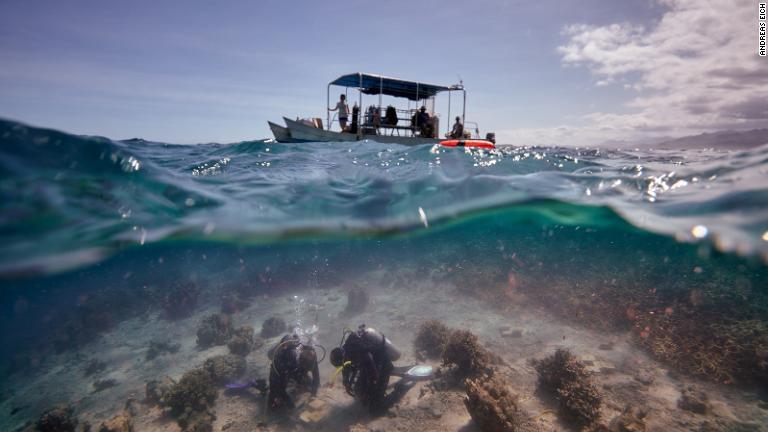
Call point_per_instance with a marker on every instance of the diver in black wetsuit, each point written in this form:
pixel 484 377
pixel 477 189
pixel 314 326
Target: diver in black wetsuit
pixel 291 360
pixel 365 357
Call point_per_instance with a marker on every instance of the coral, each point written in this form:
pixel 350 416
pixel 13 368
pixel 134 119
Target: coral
pixel 493 406
pixel 242 341
pixel 562 375
pixel 357 301
pixel 431 339
pixel 96 317
pixel 632 419
pixel 712 326
pixel 100 385
pixel 88 322
pixel 60 418
pixel 723 424
pixel 197 421
pixel 225 368
pixel 507 332
pixel 233 302
pixel 465 352
pixel 191 400
pixel 119 423
pixel 157 348
pixel 156 390
pixel 485 281
pixel 693 400
pixel 180 301
pixel 94 366
pixel 214 330
pixel 272 327
pixel 705 343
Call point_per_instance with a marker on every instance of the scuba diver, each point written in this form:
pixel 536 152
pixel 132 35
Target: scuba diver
pixel 365 359
pixel 291 360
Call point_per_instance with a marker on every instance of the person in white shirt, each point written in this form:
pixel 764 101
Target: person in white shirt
pixel 343 109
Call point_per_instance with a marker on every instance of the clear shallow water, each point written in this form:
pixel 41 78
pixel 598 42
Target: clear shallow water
pixel 668 245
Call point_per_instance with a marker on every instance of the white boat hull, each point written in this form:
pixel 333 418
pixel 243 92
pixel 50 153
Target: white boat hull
pixel 282 134
pixel 302 132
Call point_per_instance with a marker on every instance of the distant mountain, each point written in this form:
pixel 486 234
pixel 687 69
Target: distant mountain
pixel 640 142
pixel 721 140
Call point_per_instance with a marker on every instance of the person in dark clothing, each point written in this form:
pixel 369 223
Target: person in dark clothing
pixel 291 361
pixel 390 116
pixel 424 123
pixel 355 117
pixel 365 358
pixel 458 129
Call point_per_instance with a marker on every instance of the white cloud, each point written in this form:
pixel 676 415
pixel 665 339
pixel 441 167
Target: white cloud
pixel 695 70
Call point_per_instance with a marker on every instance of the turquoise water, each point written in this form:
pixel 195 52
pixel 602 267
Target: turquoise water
pixel 95 231
pixel 70 201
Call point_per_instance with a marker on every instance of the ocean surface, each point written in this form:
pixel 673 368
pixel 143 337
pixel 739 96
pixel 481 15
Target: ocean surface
pixel 110 227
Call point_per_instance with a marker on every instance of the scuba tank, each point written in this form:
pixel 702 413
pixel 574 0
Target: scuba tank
pixel 372 336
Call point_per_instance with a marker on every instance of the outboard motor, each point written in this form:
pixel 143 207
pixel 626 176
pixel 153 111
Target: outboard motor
pixel 491 136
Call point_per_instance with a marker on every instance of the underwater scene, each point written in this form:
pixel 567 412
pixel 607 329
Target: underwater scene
pixel 361 286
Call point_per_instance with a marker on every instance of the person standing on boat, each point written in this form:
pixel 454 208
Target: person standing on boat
pixel 423 122
pixel 343 109
pixel 458 129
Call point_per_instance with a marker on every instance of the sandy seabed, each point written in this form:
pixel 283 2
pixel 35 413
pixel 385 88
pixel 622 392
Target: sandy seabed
pixel 518 334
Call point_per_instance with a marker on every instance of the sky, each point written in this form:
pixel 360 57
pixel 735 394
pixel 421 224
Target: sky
pixel 536 72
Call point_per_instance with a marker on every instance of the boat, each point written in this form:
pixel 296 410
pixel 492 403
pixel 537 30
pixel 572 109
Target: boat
pixel 474 143
pixel 385 124
pixel 281 133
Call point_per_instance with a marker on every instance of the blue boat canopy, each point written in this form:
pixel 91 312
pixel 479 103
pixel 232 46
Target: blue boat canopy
pixel 377 84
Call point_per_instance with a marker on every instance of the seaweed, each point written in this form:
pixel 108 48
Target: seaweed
pixel 494 407
pixel 563 376
pixel 431 339
pixel 214 330
pixel 272 327
pixel 467 355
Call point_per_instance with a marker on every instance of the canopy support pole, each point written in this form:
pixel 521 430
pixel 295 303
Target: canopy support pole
pixel 464 108
pixel 359 108
pixel 417 109
pixel 448 123
pixel 328 108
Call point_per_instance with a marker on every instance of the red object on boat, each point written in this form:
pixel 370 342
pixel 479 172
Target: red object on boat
pixel 476 143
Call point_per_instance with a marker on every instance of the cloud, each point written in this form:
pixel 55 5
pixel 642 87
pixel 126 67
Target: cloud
pixel 694 70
